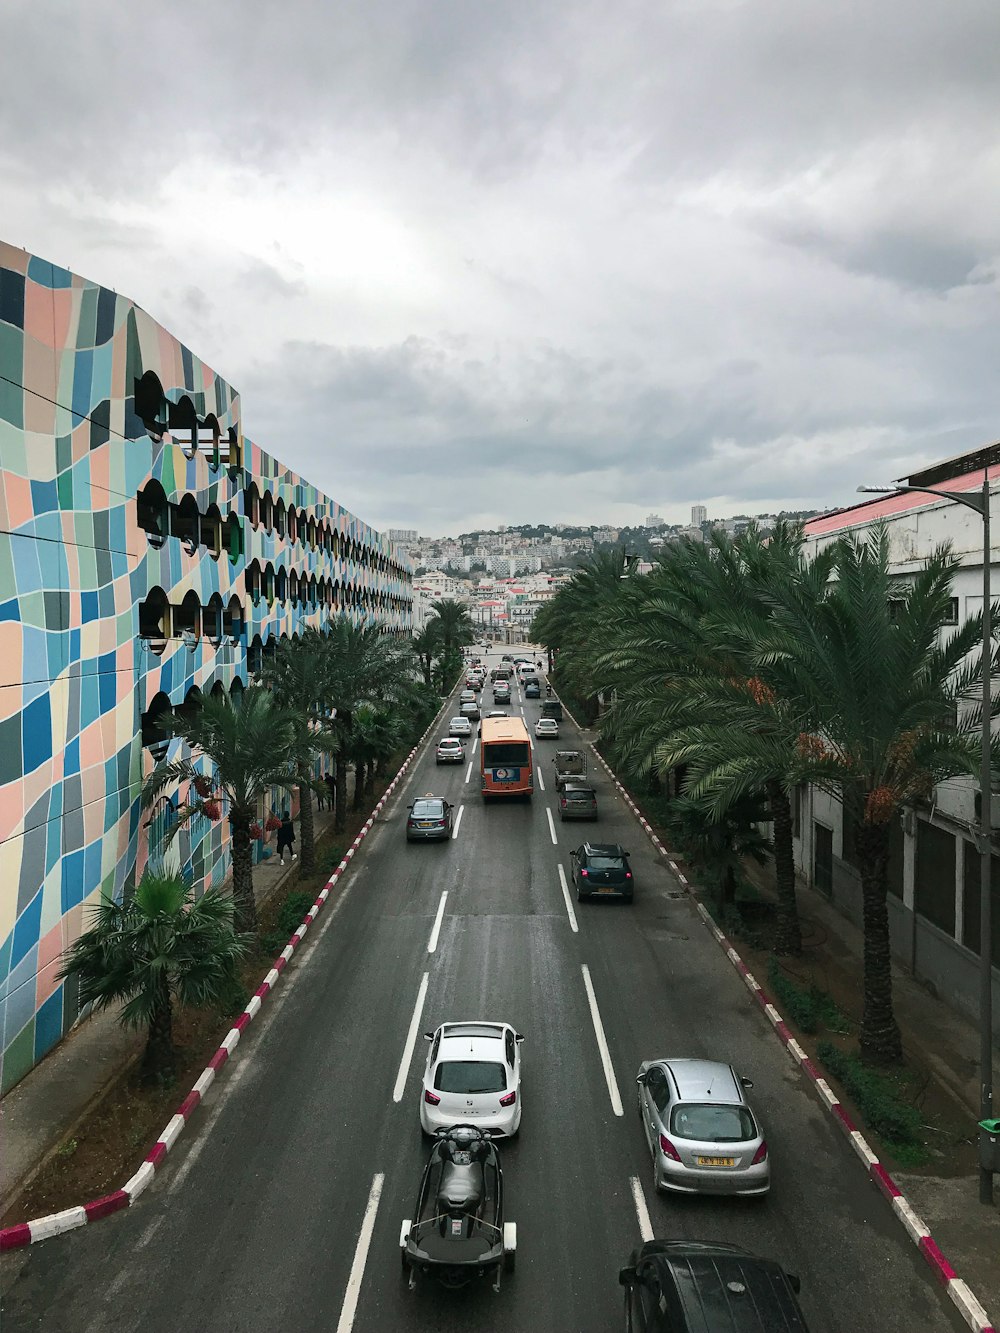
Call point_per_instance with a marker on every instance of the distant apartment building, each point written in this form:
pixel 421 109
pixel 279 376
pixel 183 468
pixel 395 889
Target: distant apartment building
pixel 699 515
pixel 654 521
pixel 403 536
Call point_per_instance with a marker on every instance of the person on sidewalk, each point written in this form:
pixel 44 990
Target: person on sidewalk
pixel 286 837
pixel 331 787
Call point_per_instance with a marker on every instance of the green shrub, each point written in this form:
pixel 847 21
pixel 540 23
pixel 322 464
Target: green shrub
pixel 895 1121
pixel 797 1004
pixel 233 996
pixel 293 909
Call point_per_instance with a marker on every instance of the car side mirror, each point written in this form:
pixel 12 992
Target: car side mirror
pixel 626 1276
pixel 747 1082
pixel 641 1079
pixel 795 1282
pixel 428 1036
pixel 519 1036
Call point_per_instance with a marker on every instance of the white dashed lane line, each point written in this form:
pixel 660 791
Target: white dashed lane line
pixel 641 1211
pixel 432 943
pixel 411 1040
pixel 569 905
pixel 350 1307
pixel 541 783
pixel 602 1043
pixel 458 821
pixel 552 827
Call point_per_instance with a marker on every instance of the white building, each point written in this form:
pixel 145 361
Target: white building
pixel 934 864
pixel 654 521
pixel 699 515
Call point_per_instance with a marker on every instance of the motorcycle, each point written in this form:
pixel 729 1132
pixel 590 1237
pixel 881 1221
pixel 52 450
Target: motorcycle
pixel 458 1232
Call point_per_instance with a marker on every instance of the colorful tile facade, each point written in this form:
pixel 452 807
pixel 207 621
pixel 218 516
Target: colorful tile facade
pixel 113 437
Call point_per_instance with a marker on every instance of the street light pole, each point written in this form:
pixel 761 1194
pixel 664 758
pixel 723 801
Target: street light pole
pixel 981 504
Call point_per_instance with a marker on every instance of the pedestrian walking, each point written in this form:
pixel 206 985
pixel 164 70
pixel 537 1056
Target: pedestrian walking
pixel 331 788
pixel 286 837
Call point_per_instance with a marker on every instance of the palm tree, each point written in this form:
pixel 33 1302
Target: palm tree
pixel 295 674
pixel 454 625
pixel 892 693
pixel 250 746
pixel 158 948
pixel 362 666
pixel 426 644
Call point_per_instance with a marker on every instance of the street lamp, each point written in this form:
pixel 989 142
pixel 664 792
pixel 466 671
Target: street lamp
pixel 981 504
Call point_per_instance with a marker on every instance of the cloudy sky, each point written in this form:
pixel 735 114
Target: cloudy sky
pixel 539 260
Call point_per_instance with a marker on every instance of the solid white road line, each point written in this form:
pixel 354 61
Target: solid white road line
pixel 552 827
pixel 641 1211
pixel 602 1043
pixel 569 905
pixel 458 821
pixel 468 771
pixel 411 1041
pixel 432 943
pixel 475 747
pixel 350 1307
pixel 541 784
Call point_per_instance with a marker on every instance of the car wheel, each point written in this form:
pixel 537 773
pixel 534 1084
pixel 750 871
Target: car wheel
pixel 580 896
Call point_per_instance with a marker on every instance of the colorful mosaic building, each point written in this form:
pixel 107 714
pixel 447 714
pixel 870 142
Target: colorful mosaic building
pixel 149 552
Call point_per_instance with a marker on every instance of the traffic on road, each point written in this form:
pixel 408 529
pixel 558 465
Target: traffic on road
pixel 520 1046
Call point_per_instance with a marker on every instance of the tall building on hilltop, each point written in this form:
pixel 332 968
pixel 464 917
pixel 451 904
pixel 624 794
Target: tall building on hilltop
pixel 699 515
pixel 150 553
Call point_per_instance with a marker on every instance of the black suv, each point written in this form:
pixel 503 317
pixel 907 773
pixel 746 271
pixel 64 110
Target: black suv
pixel 689 1286
pixel 601 869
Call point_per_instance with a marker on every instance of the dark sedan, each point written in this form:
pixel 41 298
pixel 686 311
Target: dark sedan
pixel 429 820
pixel 532 690
pixel 601 869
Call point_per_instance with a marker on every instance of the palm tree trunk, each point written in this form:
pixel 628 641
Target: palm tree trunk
pixel 359 784
pixel 881 1042
pixel 340 814
pixel 307 860
pixel 158 1057
pixel 788 937
pixel 729 887
pixel 244 902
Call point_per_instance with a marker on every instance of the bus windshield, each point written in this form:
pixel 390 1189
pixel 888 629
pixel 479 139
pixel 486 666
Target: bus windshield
pixel 510 754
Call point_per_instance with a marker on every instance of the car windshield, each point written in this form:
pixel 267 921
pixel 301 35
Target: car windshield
pixel 510 754
pixel 470 1076
pixel 427 809
pixel 598 862
pixel 459 720
pixel 712 1123
pixel 578 794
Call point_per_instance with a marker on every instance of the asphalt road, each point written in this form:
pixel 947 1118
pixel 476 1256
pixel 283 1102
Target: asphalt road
pixel 254 1223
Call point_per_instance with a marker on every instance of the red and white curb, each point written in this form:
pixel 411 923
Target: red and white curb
pixel 41 1228
pixel 960 1293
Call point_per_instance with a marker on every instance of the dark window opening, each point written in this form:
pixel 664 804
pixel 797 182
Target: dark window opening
pixel 935 876
pixel 152 513
pixel 971 898
pixel 823 858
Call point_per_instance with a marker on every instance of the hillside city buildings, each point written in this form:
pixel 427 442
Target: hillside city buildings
pixel 150 553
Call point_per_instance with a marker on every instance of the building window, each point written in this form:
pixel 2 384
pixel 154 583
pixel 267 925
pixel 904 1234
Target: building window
pixel 212 620
pixel 152 513
pixel 822 858
pixel 154 620
pixel 935 876
pixel 185 523
pixel 971 896
pixel 267 512
pixel 187 620
pixel 951 618
pixel 232 621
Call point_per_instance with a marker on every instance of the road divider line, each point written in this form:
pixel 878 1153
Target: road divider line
pixel 475 747
pixel 468 771
pixel 458 821
pixel 552 827
pixel 350 1307
pixel 541 783
pixel 432 943
pixel 569 905
pixel 641 1211
pixel 602 1043
pixel 411 1040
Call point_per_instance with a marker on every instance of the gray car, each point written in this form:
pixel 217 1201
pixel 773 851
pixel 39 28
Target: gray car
pixel 577 801
pixel 702 1134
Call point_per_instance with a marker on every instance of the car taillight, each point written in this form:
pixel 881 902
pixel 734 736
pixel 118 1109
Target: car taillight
pixel 563 802
pixel 668 1148
pixel 584 874
pixel 761 1154
pixel 509 1100
pixel 431 1098
pixel 628 874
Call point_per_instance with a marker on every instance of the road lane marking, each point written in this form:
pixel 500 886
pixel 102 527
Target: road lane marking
pixel 541 784
pixel 411 1041
pixel 350 1307
pixel 641 1211
pixel 432 943
pixel 552 827
pixel 454 832
pixel 475 746
pixel 569 905
pixel 468 771
pixel 602 1043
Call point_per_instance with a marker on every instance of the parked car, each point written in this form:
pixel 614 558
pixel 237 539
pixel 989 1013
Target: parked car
pixel 702 1134
pixel 601 868
pixel 577 802
pixel 697 1286
pixel 459 726
pixel 450 750
pixel 532 690
pixel 473 1073
pixel 428 820
pixel 570 766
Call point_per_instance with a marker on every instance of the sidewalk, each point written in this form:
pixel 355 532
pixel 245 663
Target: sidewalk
pixel 945 1042
pixel 40 1113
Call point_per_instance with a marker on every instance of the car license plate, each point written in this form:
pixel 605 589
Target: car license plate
pixel 606 888
pixel 425 823
pixel 716 1161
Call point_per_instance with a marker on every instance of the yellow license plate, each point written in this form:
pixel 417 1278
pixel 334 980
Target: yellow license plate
pixel 716 1161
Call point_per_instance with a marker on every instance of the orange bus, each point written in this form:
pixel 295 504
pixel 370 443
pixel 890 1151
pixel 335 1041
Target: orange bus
pixel 505 761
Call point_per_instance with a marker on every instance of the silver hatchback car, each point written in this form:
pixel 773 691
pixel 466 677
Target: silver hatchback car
pixel 702 1134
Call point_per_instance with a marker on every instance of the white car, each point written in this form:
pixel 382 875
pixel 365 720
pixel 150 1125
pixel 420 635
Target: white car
pixel 459 726
pixel 547 729
pixel 450 750
pixel 467 697
pixel 473 1074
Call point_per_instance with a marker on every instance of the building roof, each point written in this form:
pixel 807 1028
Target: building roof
pixel 890 506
